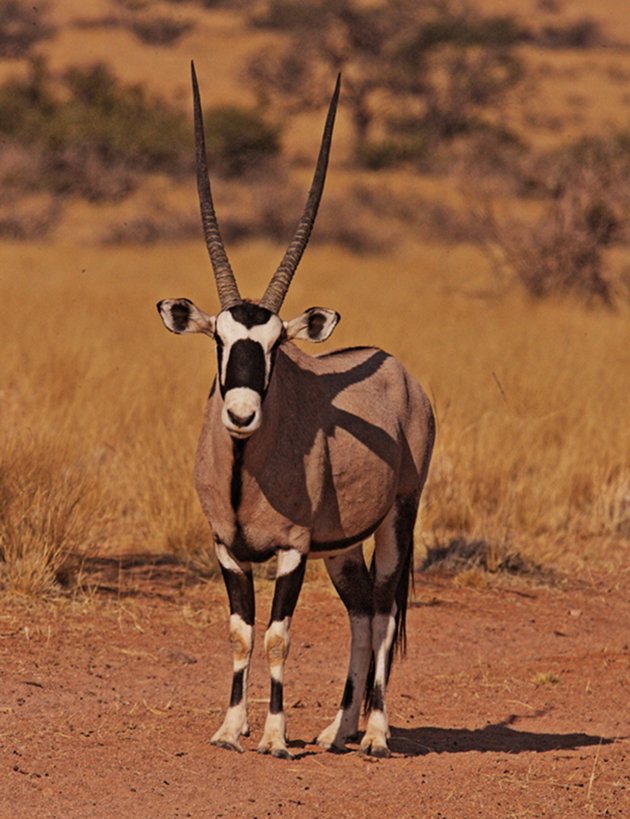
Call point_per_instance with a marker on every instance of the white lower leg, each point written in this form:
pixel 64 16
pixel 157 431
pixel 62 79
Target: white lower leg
pixel 346 722
pixel 377 730
pixel 276 648
pixel 235 723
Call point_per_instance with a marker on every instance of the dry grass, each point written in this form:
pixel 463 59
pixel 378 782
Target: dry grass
pixel 100 407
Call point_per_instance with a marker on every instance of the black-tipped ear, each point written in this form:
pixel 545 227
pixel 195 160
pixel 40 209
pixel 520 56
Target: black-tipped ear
pixel 315 324
pixel 182 316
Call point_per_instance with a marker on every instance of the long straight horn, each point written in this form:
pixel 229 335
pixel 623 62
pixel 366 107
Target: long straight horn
pixel 226 283
pixel 279 284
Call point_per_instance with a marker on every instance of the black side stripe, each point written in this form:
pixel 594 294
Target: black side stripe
pixel 325 545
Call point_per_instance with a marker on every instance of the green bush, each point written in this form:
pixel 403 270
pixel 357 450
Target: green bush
pixel 121 122
pixel 388 153
pixel 238 138
pixel 21 26
pixel 96 135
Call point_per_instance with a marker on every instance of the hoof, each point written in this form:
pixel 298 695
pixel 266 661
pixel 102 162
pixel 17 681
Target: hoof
pixel 380 751
pixel 282 753
pixel 370 747
pixel 229 746
pixel 278 753
pixel 331 747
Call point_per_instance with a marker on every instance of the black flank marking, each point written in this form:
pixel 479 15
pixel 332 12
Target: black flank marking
pixel 180 314
pixel 333 353
pixel 325 545
pixel 286 593
pixel 242 550
pixel 245 366
pixel 237 688
pixel 348 693
pixel 236 483
pixel 249 315
pixel 275 699
pixel 240 589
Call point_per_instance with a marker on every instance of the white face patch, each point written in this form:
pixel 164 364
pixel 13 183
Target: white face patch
pixel 245 359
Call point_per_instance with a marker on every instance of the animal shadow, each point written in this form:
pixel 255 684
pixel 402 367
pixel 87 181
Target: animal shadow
pixel 496 738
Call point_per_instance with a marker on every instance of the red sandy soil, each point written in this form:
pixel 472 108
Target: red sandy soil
pixel 513 700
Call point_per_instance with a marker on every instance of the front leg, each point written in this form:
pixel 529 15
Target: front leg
pixel 289 577
pixel 240 589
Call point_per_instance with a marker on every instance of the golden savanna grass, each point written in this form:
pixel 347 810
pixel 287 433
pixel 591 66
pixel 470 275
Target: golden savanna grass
pixel 100 406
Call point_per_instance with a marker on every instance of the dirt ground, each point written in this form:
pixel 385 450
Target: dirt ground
pixel 513 700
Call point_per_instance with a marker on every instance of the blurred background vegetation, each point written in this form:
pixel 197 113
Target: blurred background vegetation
pixel 426 88
pixel 481 162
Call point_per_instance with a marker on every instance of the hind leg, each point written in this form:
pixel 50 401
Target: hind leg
pixel 351 578
pixel 391 570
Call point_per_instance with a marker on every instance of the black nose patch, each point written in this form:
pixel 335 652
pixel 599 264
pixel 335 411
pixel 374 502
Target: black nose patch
pixel 245 367
pixel 239 421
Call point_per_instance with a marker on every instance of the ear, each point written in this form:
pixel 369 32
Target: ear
pixel 315 324
pixel 182 316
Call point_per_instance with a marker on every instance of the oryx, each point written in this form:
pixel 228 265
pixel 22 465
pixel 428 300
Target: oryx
pixel 299 457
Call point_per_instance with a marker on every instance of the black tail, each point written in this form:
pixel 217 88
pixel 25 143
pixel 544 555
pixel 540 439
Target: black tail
pixel 405 522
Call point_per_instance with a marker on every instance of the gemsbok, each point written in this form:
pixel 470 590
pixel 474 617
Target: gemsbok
pixel 305 456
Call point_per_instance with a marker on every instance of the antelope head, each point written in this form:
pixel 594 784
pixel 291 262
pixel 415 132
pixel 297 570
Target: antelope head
pixel 247 333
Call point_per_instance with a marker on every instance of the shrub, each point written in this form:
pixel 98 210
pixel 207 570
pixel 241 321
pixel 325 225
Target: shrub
pixel 161 31
pixel 443 61
pixel 21 26
pixel 584 33
pixel 390 152
pixel 121 121
pixel 238 138
pixel 586 188
pixel 97 142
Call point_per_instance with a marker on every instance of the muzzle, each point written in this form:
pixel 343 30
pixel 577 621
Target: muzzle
pixel 242 412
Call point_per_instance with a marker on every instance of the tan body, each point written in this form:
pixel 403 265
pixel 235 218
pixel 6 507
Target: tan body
pixel 303 456
pixel 343 434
